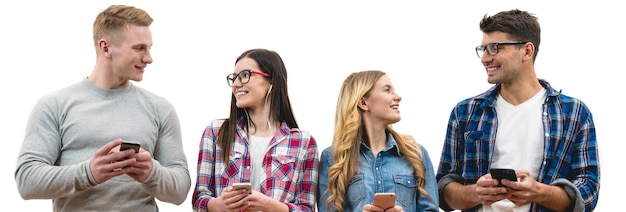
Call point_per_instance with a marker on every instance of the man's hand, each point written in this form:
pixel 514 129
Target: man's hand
pixel 488 191
pixel 142 166
pixel 108 162
pixel 524 191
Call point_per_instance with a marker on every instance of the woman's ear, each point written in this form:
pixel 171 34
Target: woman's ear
pixel 362 104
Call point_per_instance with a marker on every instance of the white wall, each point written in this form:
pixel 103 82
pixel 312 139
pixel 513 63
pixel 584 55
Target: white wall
pixel 426 48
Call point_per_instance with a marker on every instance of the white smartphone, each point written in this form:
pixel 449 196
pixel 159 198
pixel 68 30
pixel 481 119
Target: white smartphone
pixel 237 186
pixel 384 200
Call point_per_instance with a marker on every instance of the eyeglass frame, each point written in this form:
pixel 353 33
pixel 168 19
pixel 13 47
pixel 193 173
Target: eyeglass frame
pixel 484 48
pixel 230 78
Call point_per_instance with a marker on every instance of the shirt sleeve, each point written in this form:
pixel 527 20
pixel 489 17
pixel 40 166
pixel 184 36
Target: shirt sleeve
pixel 205 184
pixel 432 202
pixel 325 162
pixel 585 164
pixel 40 149
pixel 306 196
pixel 169 180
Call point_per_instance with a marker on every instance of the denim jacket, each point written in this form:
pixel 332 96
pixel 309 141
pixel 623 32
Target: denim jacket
pixel 387 172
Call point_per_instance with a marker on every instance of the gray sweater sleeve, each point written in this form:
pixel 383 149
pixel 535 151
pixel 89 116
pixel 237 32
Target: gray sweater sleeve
pixel 169 180
pixel 37 175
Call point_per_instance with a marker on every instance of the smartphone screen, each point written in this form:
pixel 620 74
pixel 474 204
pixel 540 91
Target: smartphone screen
pixel 384 200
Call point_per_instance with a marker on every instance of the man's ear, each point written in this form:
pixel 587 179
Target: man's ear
pixel 529 50
pixel 103 46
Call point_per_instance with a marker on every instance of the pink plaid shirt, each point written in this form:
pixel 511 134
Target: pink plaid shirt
pixel 291 164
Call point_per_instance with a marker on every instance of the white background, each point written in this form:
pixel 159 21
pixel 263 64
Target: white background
pixel 426 47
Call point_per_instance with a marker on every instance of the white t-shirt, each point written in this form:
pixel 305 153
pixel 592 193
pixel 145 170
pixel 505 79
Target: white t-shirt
pixel 258 148
pixel 519 142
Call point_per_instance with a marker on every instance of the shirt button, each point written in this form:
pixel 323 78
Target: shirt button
pixel 376 168
pixel 378 182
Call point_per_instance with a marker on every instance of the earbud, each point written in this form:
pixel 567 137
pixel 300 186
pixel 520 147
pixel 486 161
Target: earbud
pixel 270 88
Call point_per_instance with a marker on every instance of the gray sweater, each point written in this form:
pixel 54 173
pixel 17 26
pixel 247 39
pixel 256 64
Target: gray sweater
pixel 67 126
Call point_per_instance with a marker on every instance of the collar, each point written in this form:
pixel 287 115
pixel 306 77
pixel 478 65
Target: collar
pixel 391 145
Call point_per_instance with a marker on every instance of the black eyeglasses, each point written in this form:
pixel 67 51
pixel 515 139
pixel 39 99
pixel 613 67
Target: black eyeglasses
pixel 244 76
pixel 492 48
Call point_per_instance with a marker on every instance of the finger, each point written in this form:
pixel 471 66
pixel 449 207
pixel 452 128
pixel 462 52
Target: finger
pixel 118 165
pixel 104 150
pixel 488 176
pixel 245 201
pixel 234 203
pixel 522 172
pixel 141 156
pixel 229 199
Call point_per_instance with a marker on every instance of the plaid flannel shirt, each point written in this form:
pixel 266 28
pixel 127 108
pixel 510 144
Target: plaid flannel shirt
pixel 570 154
pixel 291 165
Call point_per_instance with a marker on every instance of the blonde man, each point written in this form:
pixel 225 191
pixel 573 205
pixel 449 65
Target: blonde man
pixel 70 152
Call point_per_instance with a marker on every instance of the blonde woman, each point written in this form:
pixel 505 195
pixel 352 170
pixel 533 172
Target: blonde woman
pixel 367 156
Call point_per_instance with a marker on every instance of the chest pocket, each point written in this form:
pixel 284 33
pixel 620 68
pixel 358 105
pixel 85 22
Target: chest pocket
pixel 356 189
pixel 406 189
pixel 235 164
pixel 472 137
pixel 284 168
pixel 284 176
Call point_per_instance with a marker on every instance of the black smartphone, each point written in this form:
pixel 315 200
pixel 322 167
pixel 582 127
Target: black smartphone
pixel 500 174
pixel 130 145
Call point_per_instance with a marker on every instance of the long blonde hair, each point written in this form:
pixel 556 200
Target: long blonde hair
pixel 349 132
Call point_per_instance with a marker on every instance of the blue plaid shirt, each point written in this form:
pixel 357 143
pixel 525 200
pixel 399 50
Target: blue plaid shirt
pixel 570 154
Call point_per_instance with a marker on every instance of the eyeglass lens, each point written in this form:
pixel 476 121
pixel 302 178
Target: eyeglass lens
pixel 492 49
pixel 243 76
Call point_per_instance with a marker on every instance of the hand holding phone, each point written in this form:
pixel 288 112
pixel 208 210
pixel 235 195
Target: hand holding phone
pixel 500 174
pixel 384 200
